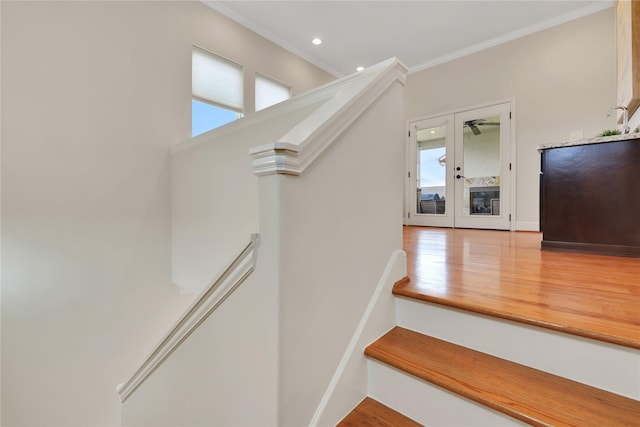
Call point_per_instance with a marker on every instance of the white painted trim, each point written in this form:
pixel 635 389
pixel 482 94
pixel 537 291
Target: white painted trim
pixel 0 214
pixel 203 306
pixel 458 110
pixel 314 96
pixel 522 32
pixel 384 287
pixel 279 157
pixel 514 166
pixel 505 38
pixel 447 122
pixel 297 149
pixel 527 226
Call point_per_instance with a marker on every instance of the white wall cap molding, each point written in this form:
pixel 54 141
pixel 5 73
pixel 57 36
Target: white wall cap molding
pixel 219 289
pixel 276 158
pixel 315 133
pixel 314 96
pixel 276 146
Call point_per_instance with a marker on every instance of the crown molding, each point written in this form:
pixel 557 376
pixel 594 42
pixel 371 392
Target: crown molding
pixel 258 29
pixel 514 35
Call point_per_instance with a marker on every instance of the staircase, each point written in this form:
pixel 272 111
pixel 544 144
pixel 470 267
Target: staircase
pixel 419 375
pixel 449 366
pixel 314 305
pixel 242 353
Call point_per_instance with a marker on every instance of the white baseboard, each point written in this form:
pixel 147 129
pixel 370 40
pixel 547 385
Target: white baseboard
pixel 349 383
pixel 527 226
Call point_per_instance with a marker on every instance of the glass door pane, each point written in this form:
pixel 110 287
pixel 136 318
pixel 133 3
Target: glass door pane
pixel 482 147
pixel 431 183
pixel 430 189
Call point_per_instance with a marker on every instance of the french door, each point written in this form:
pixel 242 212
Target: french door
pixel 460 173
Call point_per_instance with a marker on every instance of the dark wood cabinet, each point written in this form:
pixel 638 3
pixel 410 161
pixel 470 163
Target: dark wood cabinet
pixel 590 198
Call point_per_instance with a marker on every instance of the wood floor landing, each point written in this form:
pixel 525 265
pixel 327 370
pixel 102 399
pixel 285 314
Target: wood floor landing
pixel 505 274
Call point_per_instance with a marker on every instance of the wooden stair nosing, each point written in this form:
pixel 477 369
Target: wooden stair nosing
pixel 530 395
pixel 403 288
pixel 371 413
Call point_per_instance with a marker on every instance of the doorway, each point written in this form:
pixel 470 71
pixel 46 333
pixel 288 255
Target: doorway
pixel 460 169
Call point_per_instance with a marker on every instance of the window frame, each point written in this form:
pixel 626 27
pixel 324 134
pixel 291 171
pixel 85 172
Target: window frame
pixel 270 79
pixel 238 79
pixel 216 103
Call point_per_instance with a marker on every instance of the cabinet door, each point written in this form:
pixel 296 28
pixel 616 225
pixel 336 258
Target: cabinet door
pixel 591 198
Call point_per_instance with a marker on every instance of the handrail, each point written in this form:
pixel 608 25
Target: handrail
pixel 235 273
pixel 296 150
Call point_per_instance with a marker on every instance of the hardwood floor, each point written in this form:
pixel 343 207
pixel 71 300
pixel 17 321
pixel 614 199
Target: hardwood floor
pixel 505 274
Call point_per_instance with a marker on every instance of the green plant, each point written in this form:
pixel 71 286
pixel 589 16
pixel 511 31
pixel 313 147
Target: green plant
pixel 610 132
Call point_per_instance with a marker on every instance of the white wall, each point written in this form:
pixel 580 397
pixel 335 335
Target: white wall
pixel 214 201
pixel 562 79
pixel 222 36
pixel 315 272
pixel 93 94
pixel 224 374
pixel 334 228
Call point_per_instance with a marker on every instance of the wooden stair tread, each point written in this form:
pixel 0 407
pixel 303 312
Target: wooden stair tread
pixel 587 326
pixel 505 274
pixel 371 413
pixel 533 396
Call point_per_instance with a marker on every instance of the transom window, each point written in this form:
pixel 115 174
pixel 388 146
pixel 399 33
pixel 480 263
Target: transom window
pixel 270 92
pixel 216 91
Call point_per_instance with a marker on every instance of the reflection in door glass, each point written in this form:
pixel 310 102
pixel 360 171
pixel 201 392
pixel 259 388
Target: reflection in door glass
pixel 431 158
pixel 481 145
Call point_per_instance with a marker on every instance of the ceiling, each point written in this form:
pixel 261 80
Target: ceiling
pixel 420 33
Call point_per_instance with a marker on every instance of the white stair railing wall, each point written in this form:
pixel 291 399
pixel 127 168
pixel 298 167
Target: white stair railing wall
pixel 214 193
pixel 325 193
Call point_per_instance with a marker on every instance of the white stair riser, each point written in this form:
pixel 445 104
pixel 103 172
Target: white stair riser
pixel 599 364
pixel 428 404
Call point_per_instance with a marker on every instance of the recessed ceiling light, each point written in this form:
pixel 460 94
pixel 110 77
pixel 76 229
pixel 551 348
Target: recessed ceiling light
pixel 432 131
pixel 316 41
pixel 360 68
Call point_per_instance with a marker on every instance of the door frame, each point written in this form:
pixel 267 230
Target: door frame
pixel 437 220
pixel 409 190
